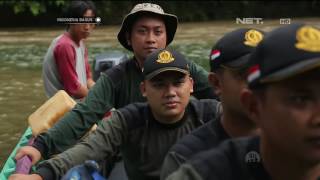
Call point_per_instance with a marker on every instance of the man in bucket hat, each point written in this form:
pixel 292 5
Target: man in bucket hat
pixel 229 61
pixel 143 132
pixel 144 30
pixel 170 21
pixel 284 102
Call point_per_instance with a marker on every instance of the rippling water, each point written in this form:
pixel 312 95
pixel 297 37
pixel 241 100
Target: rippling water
pixel 22 50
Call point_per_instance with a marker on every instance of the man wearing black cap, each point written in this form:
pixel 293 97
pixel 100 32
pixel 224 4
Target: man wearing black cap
pixel 284 102
pixel 146 28
pixel 229 62
pixel 142 132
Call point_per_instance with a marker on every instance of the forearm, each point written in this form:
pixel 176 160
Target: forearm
pixel 101 144
pixel 46 172
pixel 170 164
pixel 25 177
pixel 67 131
pixel 81 92
pixel 185 172
pixel 41 146
pixel 77 122
pixel 90 83
pixel 55 168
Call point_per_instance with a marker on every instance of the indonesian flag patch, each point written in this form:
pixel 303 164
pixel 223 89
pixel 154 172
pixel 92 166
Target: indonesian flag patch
pixel 214 54
pixel 254 73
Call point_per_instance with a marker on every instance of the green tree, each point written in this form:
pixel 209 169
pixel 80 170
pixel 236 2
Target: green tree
pixel 36 7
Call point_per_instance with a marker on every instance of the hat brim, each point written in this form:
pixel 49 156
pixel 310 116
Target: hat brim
pixel 238 63
pixel 161 70
pixel 293 70
pixel 171 22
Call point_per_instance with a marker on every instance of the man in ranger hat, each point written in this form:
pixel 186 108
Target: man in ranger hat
pixel 145 29
pixel 284 101
pixel 143 132
pixel 229 61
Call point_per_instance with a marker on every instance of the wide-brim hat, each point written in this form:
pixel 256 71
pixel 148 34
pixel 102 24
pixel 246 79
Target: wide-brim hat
pixel 170 20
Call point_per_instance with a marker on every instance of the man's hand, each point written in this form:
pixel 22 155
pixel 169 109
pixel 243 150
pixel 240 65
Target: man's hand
pixel 30 151
pixel 81 92
pixel 90 83
pixel 25 177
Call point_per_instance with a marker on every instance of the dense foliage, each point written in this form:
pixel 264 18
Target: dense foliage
pixel 26 12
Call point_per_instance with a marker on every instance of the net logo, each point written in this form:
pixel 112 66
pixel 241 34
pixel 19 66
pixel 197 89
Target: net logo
pixel 249 20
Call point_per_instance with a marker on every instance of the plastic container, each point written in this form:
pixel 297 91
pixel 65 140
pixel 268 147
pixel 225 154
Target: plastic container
pixel 50 112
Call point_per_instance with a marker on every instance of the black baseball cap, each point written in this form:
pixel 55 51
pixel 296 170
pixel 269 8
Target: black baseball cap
pixel 283 53
pixel 234 48
pixel 164 60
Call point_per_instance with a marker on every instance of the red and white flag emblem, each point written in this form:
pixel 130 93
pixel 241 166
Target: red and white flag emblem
pixel 254 73
pixel 214 54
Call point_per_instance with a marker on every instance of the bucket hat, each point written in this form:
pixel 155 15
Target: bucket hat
pixel 170 20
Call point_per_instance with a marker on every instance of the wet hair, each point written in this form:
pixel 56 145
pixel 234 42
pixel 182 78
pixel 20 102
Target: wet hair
pixel 76 9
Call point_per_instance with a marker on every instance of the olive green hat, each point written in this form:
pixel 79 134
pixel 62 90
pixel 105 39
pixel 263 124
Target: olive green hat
pixel 170 20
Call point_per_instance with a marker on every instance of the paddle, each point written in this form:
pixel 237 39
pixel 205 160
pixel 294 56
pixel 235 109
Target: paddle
pixel 42 119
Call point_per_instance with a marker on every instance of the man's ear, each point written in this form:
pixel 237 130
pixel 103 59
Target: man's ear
pixel 251 104
pixel 143 89
pixel 215 82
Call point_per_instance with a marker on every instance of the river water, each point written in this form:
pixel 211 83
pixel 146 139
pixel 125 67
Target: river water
pixel 22 51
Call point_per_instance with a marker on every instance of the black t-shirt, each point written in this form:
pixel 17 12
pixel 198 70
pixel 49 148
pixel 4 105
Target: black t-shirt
pixel 203 138
pixel 234 159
